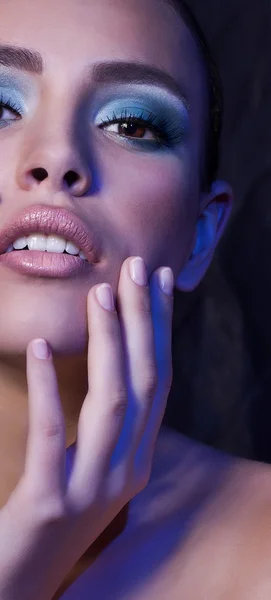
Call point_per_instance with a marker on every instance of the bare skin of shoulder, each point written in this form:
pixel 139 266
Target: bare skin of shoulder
pixel 201 529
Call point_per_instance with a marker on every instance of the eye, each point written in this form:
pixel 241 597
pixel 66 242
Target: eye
pixel 131 127
pixel 143 128
pixel 9 111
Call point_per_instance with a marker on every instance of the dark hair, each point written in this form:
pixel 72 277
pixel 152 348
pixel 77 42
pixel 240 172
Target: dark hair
pixel 215 94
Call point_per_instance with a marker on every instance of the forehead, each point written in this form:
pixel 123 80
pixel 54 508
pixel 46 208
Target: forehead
pixel 77 32
pixel 73 35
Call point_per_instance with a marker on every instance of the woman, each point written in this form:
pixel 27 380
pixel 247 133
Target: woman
pixel 105 154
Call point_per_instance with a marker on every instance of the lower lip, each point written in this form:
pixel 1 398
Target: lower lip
pixel 44 264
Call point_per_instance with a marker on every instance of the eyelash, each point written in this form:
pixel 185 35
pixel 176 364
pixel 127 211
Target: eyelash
pixel 167 133
pixel 9 104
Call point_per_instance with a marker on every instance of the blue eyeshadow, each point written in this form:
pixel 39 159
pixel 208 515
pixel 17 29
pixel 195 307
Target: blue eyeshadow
pixel 167 113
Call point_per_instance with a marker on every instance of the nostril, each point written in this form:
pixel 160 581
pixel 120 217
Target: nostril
pixel 39 173
pixel 71 177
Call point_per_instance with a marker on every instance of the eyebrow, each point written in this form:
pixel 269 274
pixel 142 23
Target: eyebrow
pixel 21 58
pixel 135 72
pixel 105 72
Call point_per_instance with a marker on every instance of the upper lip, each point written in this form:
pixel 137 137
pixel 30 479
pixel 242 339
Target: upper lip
pixel 50 220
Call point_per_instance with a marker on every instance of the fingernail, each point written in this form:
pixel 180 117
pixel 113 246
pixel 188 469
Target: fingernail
pixel 166 281
pixel 138 271
pixel 41 349
pixel 105 296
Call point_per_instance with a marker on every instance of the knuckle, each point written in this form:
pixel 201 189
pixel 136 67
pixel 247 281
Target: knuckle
pixel 122 487
pixel 44 509
pixel 119 490
pixel 53 510
pixel 119 402
pixel 149 381
pixel 51 430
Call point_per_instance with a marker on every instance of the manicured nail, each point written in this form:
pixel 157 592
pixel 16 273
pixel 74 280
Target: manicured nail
pixel 41 349
pixel 138 271
pixel 105 296
pixel 166 281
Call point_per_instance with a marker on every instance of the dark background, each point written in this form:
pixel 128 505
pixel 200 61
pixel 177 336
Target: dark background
pixel 221 392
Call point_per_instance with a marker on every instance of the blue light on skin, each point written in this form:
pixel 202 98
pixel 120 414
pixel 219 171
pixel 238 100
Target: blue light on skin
pixel 168 114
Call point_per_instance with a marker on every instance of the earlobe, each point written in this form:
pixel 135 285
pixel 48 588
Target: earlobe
pixel 214 215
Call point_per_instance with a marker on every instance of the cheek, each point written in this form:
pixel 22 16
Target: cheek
pixel 156 205
pixel 8 151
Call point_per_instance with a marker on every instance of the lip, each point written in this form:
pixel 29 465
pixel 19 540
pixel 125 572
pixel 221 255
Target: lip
pixel 48 220
pixel 44 264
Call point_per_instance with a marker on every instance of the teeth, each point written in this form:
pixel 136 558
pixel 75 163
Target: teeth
pixel 20 243
pixel 37 241
pixel 55 243
pixel 71 248
pixel 46 243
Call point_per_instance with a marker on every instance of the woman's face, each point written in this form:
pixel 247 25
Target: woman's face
pixel 134 196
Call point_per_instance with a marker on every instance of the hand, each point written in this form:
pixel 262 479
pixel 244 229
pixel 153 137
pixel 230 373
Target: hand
pixel 65 499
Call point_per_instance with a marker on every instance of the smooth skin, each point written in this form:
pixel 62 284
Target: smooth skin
pixel 135 203
pixel 64 500
pixel 183 508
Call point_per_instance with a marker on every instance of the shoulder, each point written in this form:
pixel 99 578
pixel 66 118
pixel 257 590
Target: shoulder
pixel 223 505
pixel 200 529
pixel 184 473
pixel 212 513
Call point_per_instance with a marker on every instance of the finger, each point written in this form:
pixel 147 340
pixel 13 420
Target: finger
pixel 102 414
pixel 45 452
pixel 138 342
pixel 162 313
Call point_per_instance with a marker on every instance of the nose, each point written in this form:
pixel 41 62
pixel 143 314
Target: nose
pixel 57 166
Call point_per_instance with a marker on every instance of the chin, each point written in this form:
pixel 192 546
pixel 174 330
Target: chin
pixel 65 330
pixel 14 341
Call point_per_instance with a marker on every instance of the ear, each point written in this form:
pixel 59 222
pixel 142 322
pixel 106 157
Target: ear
pixel 215 210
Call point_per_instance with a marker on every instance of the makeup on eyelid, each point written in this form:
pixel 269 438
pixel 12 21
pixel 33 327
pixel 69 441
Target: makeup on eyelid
pixel 9 99
pixel 9 94
pixel 14 94
pixel 154 108
pixel 145 107
pixel 18 83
